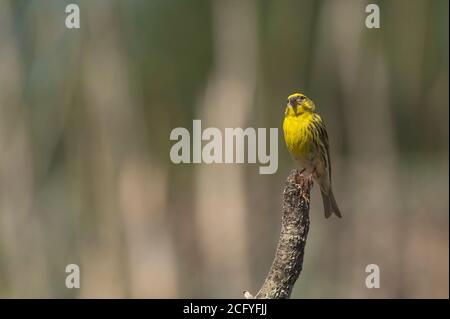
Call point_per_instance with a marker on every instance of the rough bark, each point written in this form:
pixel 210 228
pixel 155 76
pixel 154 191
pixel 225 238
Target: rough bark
pixel 288 261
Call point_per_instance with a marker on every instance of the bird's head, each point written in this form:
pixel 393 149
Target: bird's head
pixel 299 103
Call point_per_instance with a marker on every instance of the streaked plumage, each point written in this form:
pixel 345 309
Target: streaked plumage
pixel 307 140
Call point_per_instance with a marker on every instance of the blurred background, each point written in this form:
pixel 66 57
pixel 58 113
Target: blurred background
pixel 85 173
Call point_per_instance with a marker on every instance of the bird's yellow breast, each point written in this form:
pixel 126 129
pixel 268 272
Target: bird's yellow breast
pixel 297 135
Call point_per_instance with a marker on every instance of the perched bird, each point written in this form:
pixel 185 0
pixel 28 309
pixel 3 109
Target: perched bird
pixel 307 140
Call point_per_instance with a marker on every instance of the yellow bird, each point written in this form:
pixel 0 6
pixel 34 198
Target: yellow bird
pixel 307 140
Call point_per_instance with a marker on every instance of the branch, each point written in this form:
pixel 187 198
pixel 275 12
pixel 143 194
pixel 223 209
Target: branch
pixel 288 261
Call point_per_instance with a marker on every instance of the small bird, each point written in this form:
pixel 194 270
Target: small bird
pixel 307 140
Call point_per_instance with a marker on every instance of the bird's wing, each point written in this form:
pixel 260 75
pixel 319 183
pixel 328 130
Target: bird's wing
pixel 323 142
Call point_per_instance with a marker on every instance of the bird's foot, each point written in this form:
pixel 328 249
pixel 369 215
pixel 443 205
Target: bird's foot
pixel 298 177
pixel 311 176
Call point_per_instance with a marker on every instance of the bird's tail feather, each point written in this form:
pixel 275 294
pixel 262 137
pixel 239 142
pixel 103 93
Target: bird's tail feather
pixel 330 205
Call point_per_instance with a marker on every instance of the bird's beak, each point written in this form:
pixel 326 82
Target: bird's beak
pixel 292 102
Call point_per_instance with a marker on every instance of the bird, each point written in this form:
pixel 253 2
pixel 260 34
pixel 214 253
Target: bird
pixel 306 138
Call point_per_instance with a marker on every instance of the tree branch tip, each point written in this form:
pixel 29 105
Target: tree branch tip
pixel 296 182
pixel 248 295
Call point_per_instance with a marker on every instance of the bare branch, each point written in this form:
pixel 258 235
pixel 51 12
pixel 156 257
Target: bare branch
pixel 288 261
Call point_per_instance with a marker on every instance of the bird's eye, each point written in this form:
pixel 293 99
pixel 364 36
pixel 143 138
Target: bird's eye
pixel 301 98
